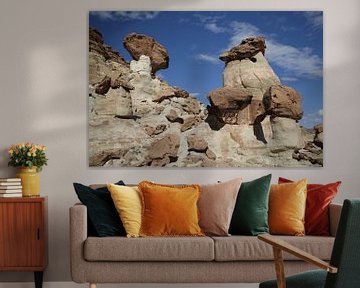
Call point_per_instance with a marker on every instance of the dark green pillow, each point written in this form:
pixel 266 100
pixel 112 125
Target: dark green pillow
pixel 103 218
pixel 250 216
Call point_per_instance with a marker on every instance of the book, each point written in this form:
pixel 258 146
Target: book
pixel 10 191
pixel 4 195
pixel 9 188
pixel 10 180
pixel 10 183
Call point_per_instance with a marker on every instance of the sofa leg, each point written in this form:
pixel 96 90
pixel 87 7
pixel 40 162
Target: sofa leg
pixel 92 285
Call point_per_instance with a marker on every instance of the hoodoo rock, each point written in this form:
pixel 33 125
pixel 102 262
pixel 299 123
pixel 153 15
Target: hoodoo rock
pixel 138 44
pixel 230 98
pixel 229 104
pixel 248 48
pixel 283 101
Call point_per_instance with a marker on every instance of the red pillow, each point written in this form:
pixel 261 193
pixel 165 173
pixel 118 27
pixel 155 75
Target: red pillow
pixel 319 197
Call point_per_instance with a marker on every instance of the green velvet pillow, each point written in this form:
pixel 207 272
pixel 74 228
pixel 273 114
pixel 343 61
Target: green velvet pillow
pixel 250 216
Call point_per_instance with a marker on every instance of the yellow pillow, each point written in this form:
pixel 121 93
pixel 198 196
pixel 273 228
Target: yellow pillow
pixel 169 210
pixel 127 201
pixel 287 204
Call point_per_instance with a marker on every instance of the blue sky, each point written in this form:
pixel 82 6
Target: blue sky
pixel 195 39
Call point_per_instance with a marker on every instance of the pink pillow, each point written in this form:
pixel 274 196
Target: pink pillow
pixel 216 205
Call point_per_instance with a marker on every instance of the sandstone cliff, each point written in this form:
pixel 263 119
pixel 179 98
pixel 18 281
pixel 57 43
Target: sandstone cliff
pixel 136 119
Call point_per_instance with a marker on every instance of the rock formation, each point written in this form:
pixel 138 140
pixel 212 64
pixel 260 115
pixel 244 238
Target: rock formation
pixel 248 48
pixel 137 119
pixel 283 101
pixel 138 45
pixel 229 104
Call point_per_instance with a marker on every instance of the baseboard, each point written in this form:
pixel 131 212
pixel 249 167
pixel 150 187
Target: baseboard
pixel 74 285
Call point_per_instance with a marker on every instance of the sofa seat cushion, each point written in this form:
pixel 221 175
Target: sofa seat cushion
pixel 149 249
pixel 244 248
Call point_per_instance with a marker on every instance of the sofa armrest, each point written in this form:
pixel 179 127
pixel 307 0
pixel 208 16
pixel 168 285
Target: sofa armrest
pixel 78 235
pixel 334 216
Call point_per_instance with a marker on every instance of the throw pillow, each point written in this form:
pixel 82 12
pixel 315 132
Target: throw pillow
pixel 287 204
pixel 319 197
pixel 102 215
pixel 169 210
pixel 127 201
pixel 250 215
pixel 216 206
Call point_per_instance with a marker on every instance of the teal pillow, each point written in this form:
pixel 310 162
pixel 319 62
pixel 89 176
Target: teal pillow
pixel 250 216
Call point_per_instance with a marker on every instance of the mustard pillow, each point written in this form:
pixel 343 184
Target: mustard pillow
pixel 287 204
pixel 169 210
pixel 127 201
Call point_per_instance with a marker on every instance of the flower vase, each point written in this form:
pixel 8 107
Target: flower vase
pixel 30 181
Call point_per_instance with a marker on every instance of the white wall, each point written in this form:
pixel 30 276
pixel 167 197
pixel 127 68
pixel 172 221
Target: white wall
pixel 43 90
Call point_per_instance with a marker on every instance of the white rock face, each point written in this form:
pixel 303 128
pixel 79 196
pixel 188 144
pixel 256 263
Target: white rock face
pixel 141 66
pixel 256 76
pixel 287 134
pixel 144 86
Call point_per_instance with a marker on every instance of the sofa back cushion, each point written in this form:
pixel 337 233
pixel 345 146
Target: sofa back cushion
pixel 127 201
pixel 102 215
pixel 318 200
pixel 250 215
pixel 287 204
pixel 169 210
pixel 216 206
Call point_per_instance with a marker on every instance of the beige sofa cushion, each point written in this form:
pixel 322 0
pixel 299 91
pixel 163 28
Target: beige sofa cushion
pixel 149 249
pixel 243 248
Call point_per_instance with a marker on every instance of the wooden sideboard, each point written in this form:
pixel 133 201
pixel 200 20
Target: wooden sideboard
pixel 23 235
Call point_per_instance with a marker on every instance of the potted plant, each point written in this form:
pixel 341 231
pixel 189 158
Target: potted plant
pixel 30 158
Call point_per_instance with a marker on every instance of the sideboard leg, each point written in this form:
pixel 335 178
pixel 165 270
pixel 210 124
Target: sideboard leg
pixel 38 279
pixel 92 285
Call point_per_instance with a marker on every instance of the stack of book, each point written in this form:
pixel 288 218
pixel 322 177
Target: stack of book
pixel 10 187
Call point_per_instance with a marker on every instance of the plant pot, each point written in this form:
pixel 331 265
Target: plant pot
pixel 30 181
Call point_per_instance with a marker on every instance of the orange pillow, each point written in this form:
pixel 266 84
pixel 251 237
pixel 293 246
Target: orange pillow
pixel 318 200
pixel 169 210
pixel 287 204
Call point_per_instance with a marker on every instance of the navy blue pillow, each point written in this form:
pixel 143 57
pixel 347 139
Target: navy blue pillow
pixel 103 217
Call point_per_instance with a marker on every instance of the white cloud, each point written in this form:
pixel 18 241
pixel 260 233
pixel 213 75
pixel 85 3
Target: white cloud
pixel 311 119
pixel 240 31
pixel 195 94
pixel 298 61
pixel 103 15
pixel 213 27
pixel 211 23
pixel 208 58
pixel 288 79
pixel 125 15
pixel 314 18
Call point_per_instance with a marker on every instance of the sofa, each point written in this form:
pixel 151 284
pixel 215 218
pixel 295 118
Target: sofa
pixel 233 259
